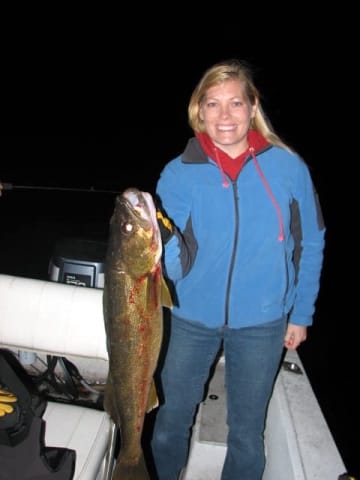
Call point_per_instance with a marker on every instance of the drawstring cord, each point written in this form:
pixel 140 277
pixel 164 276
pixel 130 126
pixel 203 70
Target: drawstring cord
pixel 271 195
pixel 225 184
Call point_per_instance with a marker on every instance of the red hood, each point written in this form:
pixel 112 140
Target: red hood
pixel 231 166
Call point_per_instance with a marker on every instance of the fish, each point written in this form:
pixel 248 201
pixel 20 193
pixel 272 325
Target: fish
pixel 134 295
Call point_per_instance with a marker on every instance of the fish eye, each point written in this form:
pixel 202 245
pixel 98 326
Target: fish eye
pixel 128 227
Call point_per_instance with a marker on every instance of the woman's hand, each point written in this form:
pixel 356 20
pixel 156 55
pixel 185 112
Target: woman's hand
pixel 295 334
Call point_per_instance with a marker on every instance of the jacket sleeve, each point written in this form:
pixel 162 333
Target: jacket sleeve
pixel 308 231
pixel 180 250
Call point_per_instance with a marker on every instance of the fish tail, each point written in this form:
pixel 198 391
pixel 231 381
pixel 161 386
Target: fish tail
pixel 126 471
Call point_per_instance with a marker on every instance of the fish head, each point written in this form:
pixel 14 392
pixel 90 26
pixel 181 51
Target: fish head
pixel 135 236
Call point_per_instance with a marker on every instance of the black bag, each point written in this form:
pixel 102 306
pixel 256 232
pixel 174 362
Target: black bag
pixel 23 454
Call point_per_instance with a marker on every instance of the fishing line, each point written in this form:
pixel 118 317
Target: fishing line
pixel 11 186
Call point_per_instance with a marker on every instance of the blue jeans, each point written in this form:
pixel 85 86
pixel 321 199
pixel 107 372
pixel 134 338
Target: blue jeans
pixel 252 359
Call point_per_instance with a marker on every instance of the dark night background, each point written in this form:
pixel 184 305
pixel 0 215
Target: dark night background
pixel 99 113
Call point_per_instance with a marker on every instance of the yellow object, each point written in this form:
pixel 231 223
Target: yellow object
pixel 165 221
pixel 6 398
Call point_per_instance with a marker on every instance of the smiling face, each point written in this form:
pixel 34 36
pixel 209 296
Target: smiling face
pixel 226 114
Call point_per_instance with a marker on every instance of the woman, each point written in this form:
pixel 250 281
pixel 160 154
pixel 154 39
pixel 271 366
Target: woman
pixel 244 254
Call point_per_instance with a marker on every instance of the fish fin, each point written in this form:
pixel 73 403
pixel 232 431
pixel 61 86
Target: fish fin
pixel 152 284
pixel 126 471
pixel 153 400
pixel 166 299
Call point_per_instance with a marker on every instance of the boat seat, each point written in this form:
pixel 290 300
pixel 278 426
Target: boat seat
pixel 63 320
pixel 89 432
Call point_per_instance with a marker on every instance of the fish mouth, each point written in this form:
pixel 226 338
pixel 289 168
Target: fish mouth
pixel 142 205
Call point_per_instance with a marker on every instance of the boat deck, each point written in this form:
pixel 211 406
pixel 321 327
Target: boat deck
pixel 298 442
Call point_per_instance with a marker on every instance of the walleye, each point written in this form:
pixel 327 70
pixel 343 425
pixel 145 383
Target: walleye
pixel 133 299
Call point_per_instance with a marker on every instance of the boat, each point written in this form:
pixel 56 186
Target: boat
pixel 42 318
pixel 61 318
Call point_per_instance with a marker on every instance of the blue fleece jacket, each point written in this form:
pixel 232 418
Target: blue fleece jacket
pixel 244 254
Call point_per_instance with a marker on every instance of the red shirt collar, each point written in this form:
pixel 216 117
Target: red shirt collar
pixel 231 166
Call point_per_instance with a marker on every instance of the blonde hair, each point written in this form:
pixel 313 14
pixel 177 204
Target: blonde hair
pixel 219 73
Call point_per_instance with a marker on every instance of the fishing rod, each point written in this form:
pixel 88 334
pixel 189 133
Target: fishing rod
pixel 11 186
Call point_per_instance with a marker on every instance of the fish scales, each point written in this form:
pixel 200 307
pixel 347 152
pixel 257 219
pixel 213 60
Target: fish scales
pixel 133 299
